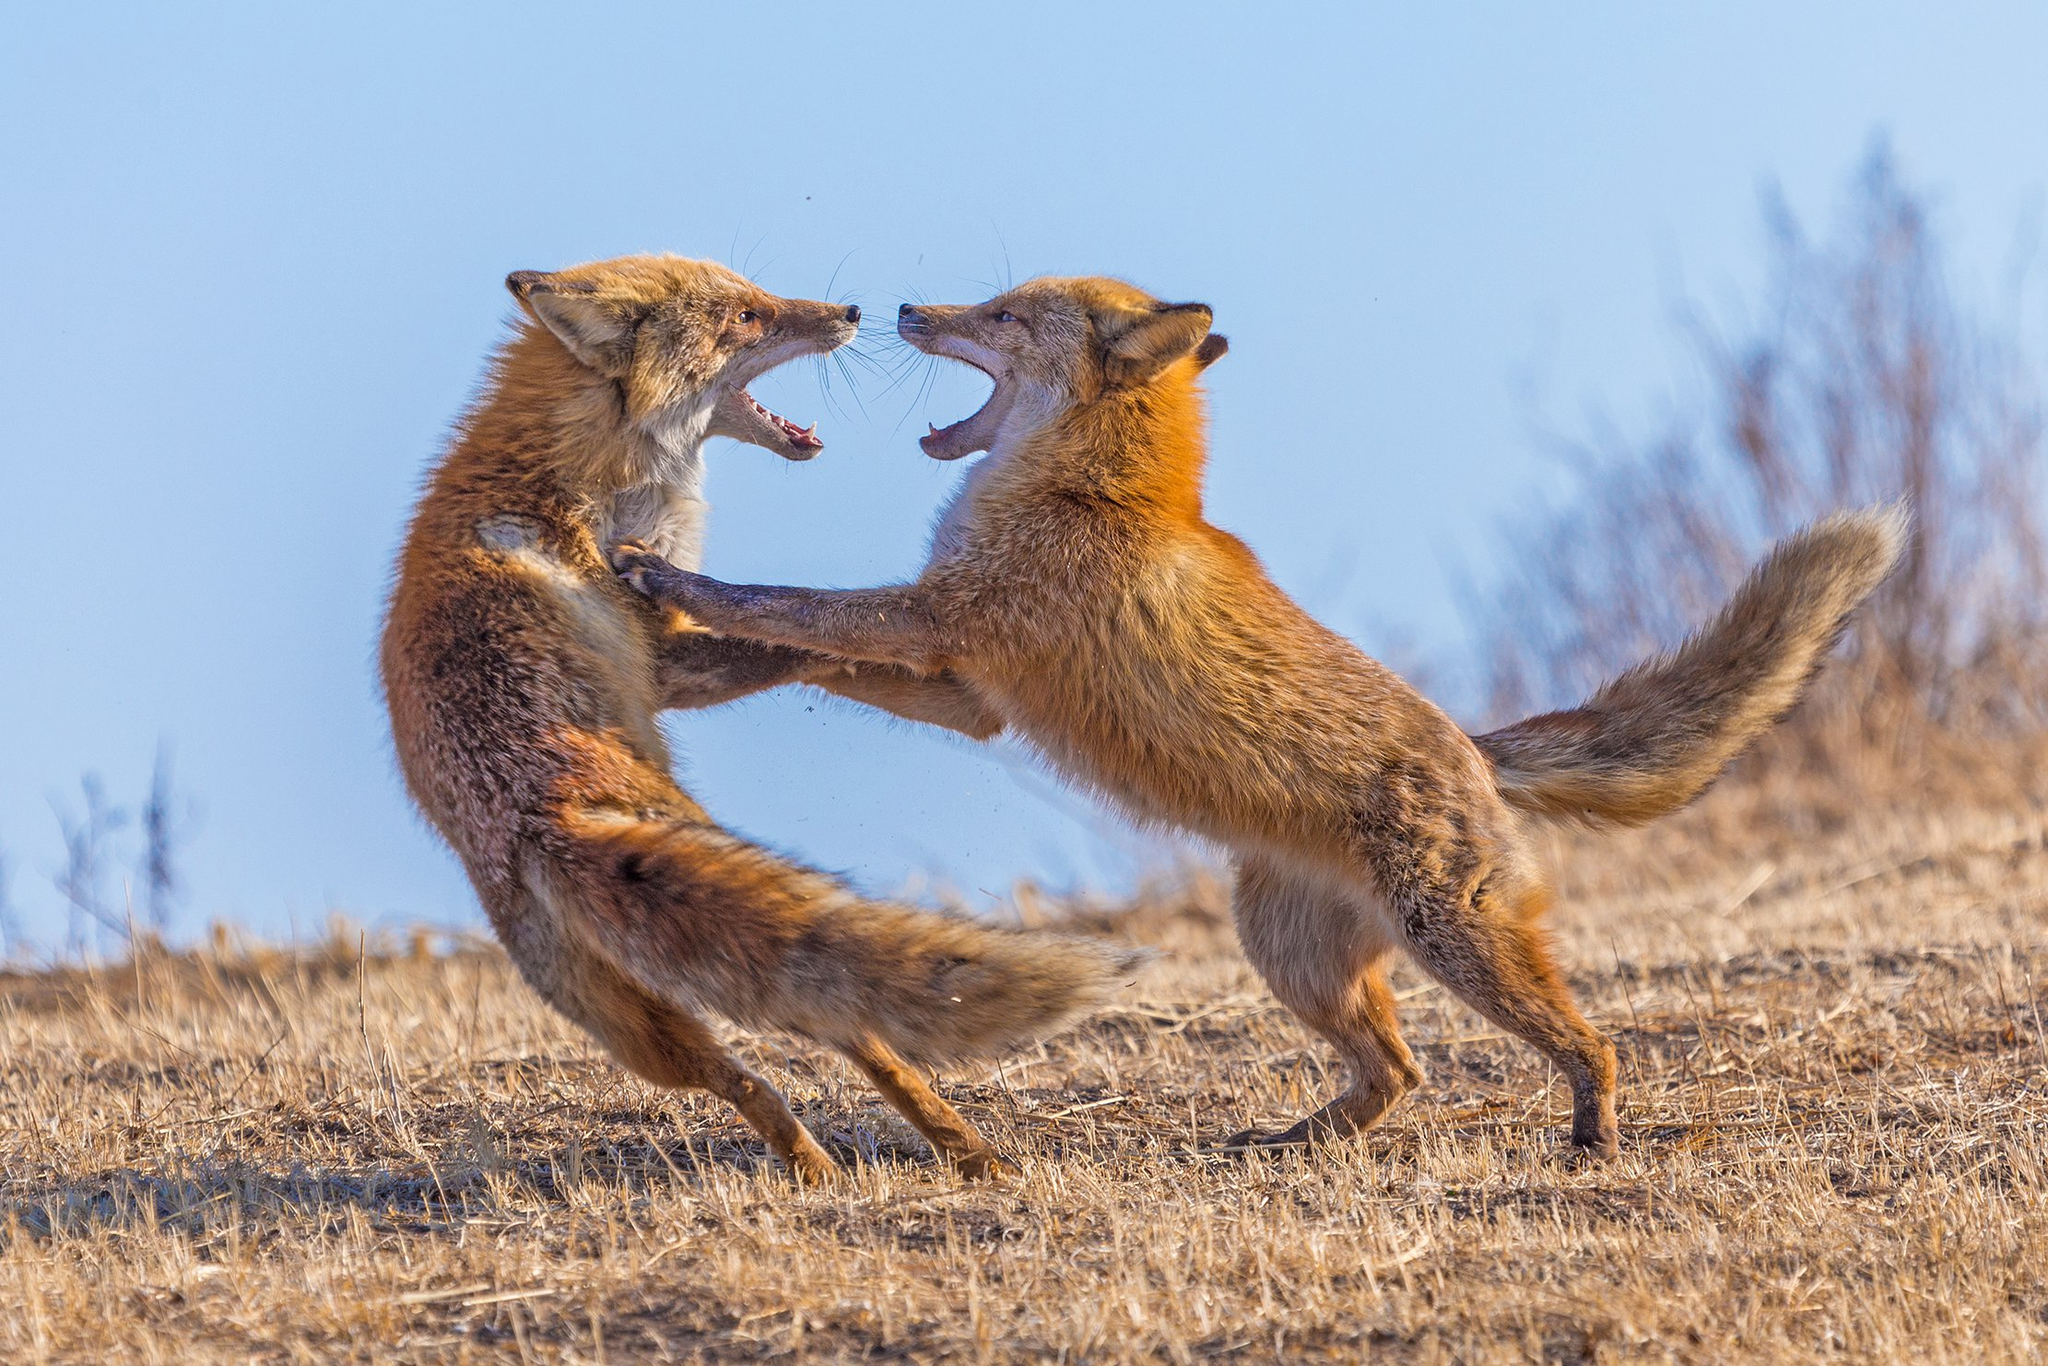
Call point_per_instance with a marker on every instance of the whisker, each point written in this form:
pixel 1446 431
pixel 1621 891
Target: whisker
pixel 745 269
pixel 825 386
pixel 839 363
pixel 835 273
pixel 902 373
pixel 903 366
pixel 873 366
pixel 924 391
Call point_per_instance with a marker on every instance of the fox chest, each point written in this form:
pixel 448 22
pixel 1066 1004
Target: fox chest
pixel 1159 712
pixel 953 533
pixel 949 532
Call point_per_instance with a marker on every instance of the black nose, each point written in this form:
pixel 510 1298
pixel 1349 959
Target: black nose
pixel 853 313
pixel 905 311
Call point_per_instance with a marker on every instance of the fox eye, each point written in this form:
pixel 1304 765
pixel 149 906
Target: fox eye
pixel 748 315
pixel 1006 316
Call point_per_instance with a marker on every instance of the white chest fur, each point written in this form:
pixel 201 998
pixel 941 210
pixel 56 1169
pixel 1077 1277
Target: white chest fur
pixel 949 533
pixel 667 519
pixel 667 513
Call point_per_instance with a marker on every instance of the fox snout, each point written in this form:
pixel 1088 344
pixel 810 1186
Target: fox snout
pixel 772 331
pixel 831 324
pixel 922 320
pixel 953 330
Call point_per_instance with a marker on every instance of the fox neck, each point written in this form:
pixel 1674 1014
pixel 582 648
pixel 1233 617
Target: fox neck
pixel 667 511
pixel 639 479
pixel 1137 448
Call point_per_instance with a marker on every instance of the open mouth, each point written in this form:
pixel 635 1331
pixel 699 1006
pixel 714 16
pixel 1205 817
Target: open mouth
pixel 741 416
pixel 975 432
pixel 745 418
pixel 978 430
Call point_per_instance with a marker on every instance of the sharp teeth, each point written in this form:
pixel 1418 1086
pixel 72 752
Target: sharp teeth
pixel 935 430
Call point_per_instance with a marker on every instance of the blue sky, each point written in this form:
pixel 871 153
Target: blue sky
pixel 255 255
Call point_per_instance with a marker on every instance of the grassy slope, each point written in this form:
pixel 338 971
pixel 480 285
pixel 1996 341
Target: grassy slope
pixel 1835 1099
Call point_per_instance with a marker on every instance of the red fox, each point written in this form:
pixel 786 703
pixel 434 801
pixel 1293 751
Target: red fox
pixel 1076 588
pixel 524 680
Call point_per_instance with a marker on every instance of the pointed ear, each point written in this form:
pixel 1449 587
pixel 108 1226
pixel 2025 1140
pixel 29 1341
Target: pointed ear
pixel 1154 339
pixel 596 332
pixel 1213 348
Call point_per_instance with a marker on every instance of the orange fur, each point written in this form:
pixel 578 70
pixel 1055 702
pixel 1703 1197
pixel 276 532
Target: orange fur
pixel 524 681
pixel 1077 587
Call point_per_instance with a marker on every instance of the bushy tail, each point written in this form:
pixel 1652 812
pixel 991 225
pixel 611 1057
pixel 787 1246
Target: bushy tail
pixel 1654 738
pixel 699 916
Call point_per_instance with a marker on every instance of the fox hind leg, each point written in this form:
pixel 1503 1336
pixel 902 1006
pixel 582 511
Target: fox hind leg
pixel 1495 957
pixel 947 1130
pixel 670 1047
pixel 1325 960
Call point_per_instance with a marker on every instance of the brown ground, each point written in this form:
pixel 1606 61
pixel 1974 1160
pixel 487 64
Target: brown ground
pixel 1835 1104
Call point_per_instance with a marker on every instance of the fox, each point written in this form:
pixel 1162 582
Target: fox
pixel 1075 585
pixel 523 683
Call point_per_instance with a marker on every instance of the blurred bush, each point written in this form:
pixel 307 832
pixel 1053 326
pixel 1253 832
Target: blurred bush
pixel 1862 378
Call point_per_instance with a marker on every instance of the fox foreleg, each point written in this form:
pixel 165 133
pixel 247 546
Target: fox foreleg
pixel 873 625
pixel 940 699
pixel 697 669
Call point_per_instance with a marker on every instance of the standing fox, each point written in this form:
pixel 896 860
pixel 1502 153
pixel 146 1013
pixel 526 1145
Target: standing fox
pixel 1075 586
pixel 524 680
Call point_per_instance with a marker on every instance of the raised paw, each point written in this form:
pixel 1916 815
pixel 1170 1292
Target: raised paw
pixel 637 565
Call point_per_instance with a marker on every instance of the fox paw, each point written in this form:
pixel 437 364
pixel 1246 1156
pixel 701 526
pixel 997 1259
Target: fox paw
pixel 811 1167
pixel 1248 1141
pixel 1593 1148
pixel 638 565
pixel 654 578
pixel 982 1165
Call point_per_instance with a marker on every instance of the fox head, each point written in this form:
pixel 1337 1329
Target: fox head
pixel 1052 345
pixel 682 339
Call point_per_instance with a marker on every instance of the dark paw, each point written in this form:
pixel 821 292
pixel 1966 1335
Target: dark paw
pixel 640 567
pixel 1596 1134
pixel 1592 1149
pixel 1248 1142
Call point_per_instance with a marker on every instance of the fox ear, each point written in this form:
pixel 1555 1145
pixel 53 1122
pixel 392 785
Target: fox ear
pixel 596 333
pixel 1154 339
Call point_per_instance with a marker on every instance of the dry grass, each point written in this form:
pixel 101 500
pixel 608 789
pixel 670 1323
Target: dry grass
pixel 1836 1091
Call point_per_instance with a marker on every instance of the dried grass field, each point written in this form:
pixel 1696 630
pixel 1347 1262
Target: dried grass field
pixel 1835 1103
